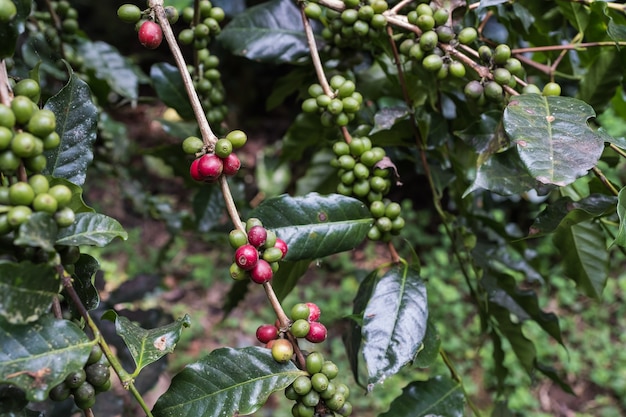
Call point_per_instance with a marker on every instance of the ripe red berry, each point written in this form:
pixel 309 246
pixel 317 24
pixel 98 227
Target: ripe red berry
pixel 210 167
pixel 193 170
pixel 231 164
pixel 282 245
pixel 150 34
pixel 246 257
pixel 257 236
pixel 315 312
pixel 261 272
pixel 266 332
pixel 317 332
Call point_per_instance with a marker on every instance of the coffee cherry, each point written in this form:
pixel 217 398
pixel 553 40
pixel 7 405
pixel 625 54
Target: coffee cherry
pixel 291 394
pixel 493 91
pixel 282 350
pixel 319 381
pixel 62 194
pixel 428 40
pixel 22 108
pixel 261 272
pixel 441 16
pixel 313 11
pixel 300 311
pixel 172 14
pixel 317 332
pixel 232 164
pixel 311 399
pixel 7 11
pixel 210 167
pixel 330 369
pixel 445 33
pixel 502 76
pixel 432 63
pixel 251 222
pixel 485 53
pixel 7 117
pixel 60 392
pixel 246 257
pixel 192 145
pixel 425 22
pixel 314 362
pixel 237 273
pixel 83 393
pixel 300 328
pixel 257 236
pixel 457 69
pixel 266 332
pixel 45 202
pixel 531 89
pixel 272 255
pixel 473 90
pixel 302 385
pixel 336 401
pixel 96 351
pixel 282 245
pixel 129 13
pixel 29 88
pixel 238 138
pixel 237 238
pixel 150 35
pixel 223 148
pixel 76 379
pixel 21 193
pixel 314 311
pixel 330 390
pixel 501 54
pixel 97 374
pixel 467 35
pixel 51 141
pixel 551 89
pixel 18 215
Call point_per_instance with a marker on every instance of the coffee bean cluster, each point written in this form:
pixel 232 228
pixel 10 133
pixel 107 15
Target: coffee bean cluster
pixel 318 393
pixel 257 252
pixel 25 133
pixel 337 108
pixel 83 385
pixel 209 166
pixel 68 19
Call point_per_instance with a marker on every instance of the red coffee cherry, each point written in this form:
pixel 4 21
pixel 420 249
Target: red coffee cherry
pixel 193 170
pixel 150 34
pixel 315 312
pixel 261 272
pixel 246 257
pixel 257 236
pixel 231 164
pixel 266 332
pixel 282 245
pixel 317 332
pixel 210 167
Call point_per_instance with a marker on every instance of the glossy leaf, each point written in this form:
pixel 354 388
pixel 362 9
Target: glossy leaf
pixel 439 396
pixel 76 121
pixel 108 64
pixel 92 229
pixel 170 88
pixel 26 291
pixel 486 135
pixel 83 277
pixel 269 32
pixel 207 204
pixel 287 276
pixel 552 136
pixel 38 232
pixel 320 176
pixel 429 350
pixel 565 212
pixel 147 346
pixel 225 383
pixel 603 77
pixel 620 238
pixel 585 258
pixel 38 356
pixel 315 226
pixel 394 322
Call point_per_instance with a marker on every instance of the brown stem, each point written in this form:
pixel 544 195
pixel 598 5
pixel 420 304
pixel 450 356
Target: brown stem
pixel 89 412
pixel 278 309
pixel 569 46
pixel 5 87
pixel 231 207
pixel 618 150
pixel 598 173
pixel 208 136
pixel 315 56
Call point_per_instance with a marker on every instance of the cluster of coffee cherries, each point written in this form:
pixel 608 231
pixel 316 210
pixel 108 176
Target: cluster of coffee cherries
pixel 304 324
pixel 257 252
pixel 68 19
pixel 203 29
pixel 318 393
pixel 83 385
pixel 337 108
pixel 25 133
pixel 355 24
pixel 149 32
pixel 209 166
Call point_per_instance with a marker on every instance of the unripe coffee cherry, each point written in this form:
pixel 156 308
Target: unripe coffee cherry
pixel 257 236
pixel 302 385
pixel 300 328
pixel 231 165
pixel 261 272
pixel 223 148
pixel 317 332
pixel 266 332
pixel 319 381
pixel 237 238
pixel 150 34
pixel 314 362
pixel 246 257
pixel 282 350
pixel 65 217
pixel 330 369
pixel 314 312
pixel 300 311
pixel 282 245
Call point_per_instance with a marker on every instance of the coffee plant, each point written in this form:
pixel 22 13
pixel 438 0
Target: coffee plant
pixel 478 110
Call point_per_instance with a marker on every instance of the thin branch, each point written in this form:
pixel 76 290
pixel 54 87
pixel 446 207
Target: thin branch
pixel 5 87
pixel 618 150
pixel 231 207
pixel 598 173
pixel 570 46
pixel 315 56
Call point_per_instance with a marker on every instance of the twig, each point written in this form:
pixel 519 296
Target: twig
pixel 5 87
pixel 231 207
pixel 598 173
pixel 315 56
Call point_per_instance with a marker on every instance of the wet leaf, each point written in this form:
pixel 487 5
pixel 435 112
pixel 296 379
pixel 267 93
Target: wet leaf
pixel 439 396
pixel 91 229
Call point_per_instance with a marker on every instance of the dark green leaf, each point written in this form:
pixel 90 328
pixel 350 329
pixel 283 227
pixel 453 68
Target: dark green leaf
pixel 386 118
pixel 272 175
pixel 83 276
pixel 305 132
pixel 319 176
pixel 552 136
pixel 108 64
pixel 485 135
pixel 236 294
pixel 38 356
pixel 287 276
pixel 77 119
pixel 225 383
pixel 394 322
pixel 92 229
pixel 487 3
pixel 585 258
pixel 270 32
pixel 429 350
pixel 439 396
pixel 604 75
pixel 38 232
pixel 208 203
pixel 13 401
pixel 147 346
pixel 170 88
pixel 620 239
pixel 315 226
pixel 575 13
pixel 26 291
pixel 565 212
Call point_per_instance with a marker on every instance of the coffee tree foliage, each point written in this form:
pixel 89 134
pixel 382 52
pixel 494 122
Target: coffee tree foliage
pixel 469 106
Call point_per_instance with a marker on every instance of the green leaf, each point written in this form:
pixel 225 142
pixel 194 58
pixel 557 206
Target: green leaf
pixel 287 276
pixel 272 175
pixel 604 75
pixel 38 356
pixel 77 119
pixel 320 176
pixel 38 232
pixel 170 88
pixel 92 229
pixel 26 291
pixel 269 32
pixel 439 396
pixel 225 383
pixel 485 135
pixel 108 64
pixel 552 136
pixel 315 226
pixel 585 258
pixel 565 212
pixel 620 239
pixel 305 132
pixel 147 346
pixel 83 277
pixel 429 350
pixel 394 322
pixel 207 204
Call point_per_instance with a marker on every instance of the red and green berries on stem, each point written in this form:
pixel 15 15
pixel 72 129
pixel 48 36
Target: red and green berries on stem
pixel 150 34
pixel 305 322
pixel 208 167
